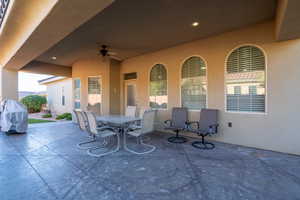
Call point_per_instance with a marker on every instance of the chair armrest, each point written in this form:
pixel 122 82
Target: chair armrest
pixel 213 129
pixel 191 123
pixel 168 122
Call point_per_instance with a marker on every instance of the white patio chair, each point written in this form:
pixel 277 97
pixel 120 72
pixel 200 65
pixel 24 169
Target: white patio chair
pixel 83 125
pixel 137 124
pixel 103 132
pixel 130 111
pixel 147 126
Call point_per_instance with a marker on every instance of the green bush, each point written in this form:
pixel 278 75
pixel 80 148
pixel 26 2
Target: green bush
pixel 48 115
pixel 66 116
pixel 34 103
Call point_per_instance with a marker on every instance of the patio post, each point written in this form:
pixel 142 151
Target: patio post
pixel 8 84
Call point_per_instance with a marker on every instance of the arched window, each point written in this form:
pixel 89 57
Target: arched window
pixel 193 83
pixel 245 80
pixel 158 87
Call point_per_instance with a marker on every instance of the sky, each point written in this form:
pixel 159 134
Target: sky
pixel 29 82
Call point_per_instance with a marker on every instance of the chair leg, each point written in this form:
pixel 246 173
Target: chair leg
pixel 90 151
pixel 177 138
pixel 203 144
pixel 140 141
pixel 81 145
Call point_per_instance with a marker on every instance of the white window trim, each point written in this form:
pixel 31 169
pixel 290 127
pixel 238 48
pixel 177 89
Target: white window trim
pixel 148 85
pixel 73 88
pixel 266 81
pixel 180 73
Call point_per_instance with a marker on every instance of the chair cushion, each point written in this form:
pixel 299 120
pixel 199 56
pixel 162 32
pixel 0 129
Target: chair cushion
pixel 208 117
pixel 179 117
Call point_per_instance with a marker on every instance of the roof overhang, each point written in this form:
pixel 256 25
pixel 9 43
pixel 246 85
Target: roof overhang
pixel 51 80
pixel 32 27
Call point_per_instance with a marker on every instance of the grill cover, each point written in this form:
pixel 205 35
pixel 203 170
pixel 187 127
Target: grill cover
pixel 14 116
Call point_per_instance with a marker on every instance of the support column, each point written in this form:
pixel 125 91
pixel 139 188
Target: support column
pixel 8 84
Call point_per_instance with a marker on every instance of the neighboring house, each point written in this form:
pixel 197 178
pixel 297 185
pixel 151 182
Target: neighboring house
pixel 59 94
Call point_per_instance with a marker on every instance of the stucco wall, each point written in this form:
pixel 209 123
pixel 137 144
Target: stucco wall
pixel 276 129
pixel 54 91
pixel 93 67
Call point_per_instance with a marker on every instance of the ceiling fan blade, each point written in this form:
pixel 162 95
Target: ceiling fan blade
pixel 115 57
pixel 112 53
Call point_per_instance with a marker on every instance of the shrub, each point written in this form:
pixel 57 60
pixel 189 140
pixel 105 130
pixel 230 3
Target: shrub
pixel 66 116
pixel 48 115
pixel 34 103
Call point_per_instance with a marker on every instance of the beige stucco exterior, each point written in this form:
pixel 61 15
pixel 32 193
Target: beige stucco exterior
pixel 274 130
pixel 55 91
pixel 277 128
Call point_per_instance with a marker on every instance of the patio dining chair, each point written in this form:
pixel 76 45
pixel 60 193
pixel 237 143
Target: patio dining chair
pixel 207 126
pixel 83 125
pixel 103 132
pixel 130 111
pixel 147 126
pixel 137 124
pixel 177 123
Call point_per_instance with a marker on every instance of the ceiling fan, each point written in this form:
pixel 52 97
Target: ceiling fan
pixel 106 52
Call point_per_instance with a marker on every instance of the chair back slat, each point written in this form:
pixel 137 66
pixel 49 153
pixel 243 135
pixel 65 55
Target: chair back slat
pixel 130 111
pixel 81 120
pixel 92 122
pixel 148 121
pixel 208 117
pixel 179 117
pixel 142 110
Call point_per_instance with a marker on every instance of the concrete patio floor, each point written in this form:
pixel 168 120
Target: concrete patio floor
pixel 45 164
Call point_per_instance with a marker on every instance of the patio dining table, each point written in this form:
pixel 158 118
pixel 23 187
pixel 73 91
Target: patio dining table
pixel 118 121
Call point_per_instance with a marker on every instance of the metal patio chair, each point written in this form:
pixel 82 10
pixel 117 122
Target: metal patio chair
pixel 103 132
pixel 147 126
pixel 137 125
pixel 84 126
pixel 206 126
pixel 177 123
pixel 130 111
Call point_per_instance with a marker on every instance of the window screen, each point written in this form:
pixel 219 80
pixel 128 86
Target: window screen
pixel 193 84
pixel 158 87
pixel 245 80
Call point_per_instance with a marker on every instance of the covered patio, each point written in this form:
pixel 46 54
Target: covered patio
pixel 45 164
pixel 239 58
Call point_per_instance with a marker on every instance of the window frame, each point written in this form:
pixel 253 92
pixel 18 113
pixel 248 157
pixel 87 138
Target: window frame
pixel 266 81
pixel 180 77
pixel 80 99
pixel 148 85
pixel 63 97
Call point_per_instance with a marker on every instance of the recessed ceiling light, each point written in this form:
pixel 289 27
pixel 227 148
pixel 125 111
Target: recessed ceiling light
pixel 195 24
pixel 54 58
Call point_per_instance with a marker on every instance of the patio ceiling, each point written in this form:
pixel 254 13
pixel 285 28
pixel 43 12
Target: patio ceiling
pixel 140 27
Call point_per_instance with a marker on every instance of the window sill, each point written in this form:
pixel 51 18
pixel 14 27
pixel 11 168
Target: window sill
pixel 246 113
